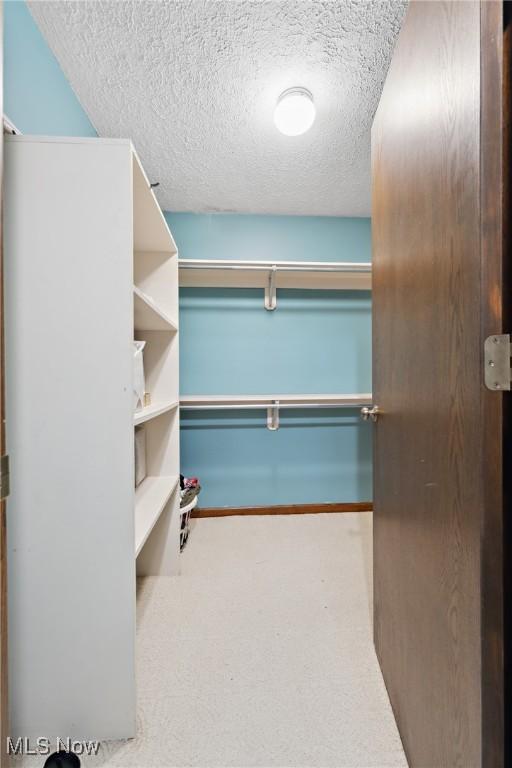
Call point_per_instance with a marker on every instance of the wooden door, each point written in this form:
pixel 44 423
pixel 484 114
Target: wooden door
pixel 437 199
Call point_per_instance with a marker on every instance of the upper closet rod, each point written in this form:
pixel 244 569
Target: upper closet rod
pixel 265 266
pixel 239 273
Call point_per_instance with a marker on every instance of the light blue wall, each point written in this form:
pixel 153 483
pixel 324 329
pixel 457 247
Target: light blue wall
pixel 292 238
pixel 316 342
pixel 37 97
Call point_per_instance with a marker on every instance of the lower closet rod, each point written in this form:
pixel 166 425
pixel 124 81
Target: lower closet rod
pixel 272 407
pixel 271 404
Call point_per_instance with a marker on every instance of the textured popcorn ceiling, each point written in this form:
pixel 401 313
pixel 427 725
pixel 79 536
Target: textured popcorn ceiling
pixel 194 83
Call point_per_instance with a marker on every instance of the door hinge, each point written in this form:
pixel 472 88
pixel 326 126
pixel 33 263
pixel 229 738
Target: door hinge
pixel 5 483
pixel 497 362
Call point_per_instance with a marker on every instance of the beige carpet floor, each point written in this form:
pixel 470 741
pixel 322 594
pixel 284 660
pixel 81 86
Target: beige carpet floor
pixel 261 653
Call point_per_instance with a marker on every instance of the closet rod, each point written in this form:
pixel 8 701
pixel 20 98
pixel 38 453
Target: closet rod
pixel 272 408
pixel 267 274
pixel 277 404
pixel 266 266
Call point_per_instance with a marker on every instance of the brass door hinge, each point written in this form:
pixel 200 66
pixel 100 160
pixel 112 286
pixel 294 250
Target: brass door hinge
pixel 497 362
pixel 5 485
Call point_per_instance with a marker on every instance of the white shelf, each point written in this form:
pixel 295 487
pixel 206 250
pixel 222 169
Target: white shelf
pixel 151 233
pixel 148 316
pixel 151 496
pixel 152 411
pixel 317 275
pixel 355 400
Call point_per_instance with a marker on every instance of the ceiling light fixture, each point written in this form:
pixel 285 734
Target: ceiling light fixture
pixel 295 112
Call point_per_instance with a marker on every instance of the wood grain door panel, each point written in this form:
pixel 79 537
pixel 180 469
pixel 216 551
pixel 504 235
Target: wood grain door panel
pixel 437 542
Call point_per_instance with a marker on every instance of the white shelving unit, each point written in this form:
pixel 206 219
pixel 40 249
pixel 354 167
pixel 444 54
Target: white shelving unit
pixel 155 274
pixel 90 265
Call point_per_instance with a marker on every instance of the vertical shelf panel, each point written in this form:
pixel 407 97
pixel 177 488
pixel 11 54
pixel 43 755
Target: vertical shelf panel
pixel 150 230
pixel 69 318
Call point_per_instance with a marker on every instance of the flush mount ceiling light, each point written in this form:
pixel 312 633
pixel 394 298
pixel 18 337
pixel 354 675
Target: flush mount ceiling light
pixel 295 112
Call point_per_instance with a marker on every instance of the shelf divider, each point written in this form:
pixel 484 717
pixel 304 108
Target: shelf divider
pixel 148 316
pixel 152 411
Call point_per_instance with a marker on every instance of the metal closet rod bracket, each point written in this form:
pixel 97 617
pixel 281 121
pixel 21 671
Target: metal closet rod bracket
pixel 273 413
pixel 271 294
